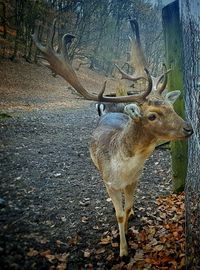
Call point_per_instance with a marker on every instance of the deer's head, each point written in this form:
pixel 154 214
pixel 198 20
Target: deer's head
pixel 158 118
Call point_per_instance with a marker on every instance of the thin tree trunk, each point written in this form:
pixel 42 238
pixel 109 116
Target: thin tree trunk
pixel 4 19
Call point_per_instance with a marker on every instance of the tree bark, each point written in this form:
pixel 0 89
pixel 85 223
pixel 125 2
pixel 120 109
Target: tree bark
pixel 190 12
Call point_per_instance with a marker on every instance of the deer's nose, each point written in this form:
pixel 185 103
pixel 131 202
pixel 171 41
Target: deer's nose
pixel 188 130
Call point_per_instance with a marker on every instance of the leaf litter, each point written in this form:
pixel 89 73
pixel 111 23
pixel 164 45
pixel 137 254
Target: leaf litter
pixel 160 245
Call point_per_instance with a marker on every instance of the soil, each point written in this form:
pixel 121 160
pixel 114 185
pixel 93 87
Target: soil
pixel 54 208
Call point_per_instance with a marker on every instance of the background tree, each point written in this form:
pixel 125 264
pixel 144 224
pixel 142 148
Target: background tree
pixel 101 28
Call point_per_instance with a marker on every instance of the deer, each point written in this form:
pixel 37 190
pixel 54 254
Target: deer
pixel 122 141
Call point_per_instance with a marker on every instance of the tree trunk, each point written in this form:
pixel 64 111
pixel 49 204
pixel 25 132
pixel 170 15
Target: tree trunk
pixel 173 44
pixel 190 12
pixel 18 22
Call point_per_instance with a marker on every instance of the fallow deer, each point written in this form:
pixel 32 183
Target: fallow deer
pixel 122 142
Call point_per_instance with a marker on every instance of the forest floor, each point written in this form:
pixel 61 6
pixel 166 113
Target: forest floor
pixel 54 209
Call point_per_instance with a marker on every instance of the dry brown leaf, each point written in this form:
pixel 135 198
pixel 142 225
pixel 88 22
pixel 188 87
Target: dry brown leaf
pixel 100 250
pixel 50 257
pixel 87 253
pixel 61 266
pixel 133 230
pixel 139 255
pixel 74 240
pixel 63 257
pixel 45 253
pixel 115 244
pixel 110 257
pixel 32 252
pixel 158 248
pixel 151 231
pixel 114 233
pixel 105 241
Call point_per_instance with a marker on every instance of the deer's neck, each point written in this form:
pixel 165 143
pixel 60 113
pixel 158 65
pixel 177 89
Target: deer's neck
pixel 137 140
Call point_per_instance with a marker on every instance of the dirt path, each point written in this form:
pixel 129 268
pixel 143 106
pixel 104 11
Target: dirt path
pixel 54 207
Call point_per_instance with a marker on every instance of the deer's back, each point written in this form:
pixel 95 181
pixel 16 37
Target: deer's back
pixel 113 120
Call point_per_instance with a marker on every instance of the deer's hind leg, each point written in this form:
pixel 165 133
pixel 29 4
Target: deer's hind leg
pixel 117 200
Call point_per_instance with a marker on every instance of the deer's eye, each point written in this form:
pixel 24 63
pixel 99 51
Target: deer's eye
pixel 152 117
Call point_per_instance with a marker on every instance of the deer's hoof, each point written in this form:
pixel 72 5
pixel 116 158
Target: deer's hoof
pixel 123 252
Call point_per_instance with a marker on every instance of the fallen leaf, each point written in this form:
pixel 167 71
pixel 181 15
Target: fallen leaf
pixel 105 241
pixel 114 244
pixel 87 253
pixel 45 253
pixel 32 252
pixel 139 255
pixel 63 257
pixel 100 250
pixel 50 257
pixel 84 219
pixel 62 266
pixel 74 240
pixel 110 257
pixel 158 248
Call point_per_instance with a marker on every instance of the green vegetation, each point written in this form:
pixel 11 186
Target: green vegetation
pixel 4 115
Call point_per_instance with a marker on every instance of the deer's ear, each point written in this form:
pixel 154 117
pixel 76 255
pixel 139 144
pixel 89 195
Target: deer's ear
pixel 171 97
pixel 132 110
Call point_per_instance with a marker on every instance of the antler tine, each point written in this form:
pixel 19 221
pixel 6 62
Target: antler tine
pixel 135 28
pixel 36 40
pixel 150 84
pixel 138 59
pixel 138 46
pixel 128 76
pixel 131 98
pixel 66 40
pixel 162 87
pixel 100 95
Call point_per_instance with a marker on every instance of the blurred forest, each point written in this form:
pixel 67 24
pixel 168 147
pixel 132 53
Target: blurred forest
pixel 101 29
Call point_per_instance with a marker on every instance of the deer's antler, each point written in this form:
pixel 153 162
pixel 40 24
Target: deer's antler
pixel 137 55
pixel 139 63
pixel 160 87
pixel 60 63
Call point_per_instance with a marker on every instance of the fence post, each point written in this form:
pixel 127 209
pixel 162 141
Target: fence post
pixel 173 48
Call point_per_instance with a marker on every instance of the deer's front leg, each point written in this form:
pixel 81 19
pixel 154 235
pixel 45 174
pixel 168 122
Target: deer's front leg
pixel 116 197
pixel 128 194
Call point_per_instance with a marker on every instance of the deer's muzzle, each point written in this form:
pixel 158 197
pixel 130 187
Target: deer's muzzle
pixel 187 129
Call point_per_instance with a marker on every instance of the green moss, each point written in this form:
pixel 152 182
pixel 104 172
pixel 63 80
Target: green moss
pixel 4 116
pixel 173 45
